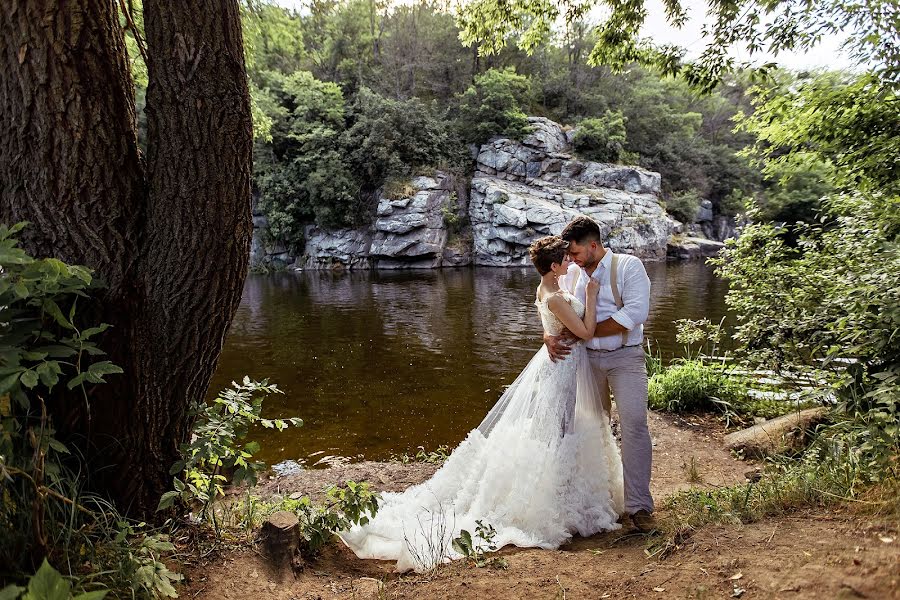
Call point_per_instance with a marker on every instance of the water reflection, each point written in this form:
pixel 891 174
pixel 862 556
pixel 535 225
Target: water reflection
pixel 382 362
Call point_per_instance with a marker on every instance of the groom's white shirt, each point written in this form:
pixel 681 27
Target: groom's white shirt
pixel 634 287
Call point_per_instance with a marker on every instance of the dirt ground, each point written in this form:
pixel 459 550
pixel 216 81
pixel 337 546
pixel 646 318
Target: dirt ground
pixel 835 554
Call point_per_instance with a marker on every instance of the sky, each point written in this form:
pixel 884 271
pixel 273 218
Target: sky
pixel 825 55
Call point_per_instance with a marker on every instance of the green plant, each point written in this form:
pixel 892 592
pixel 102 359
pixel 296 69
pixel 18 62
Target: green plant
pixel 217 447
pixel 48 584
pixel 47 356
pixel 685 206
pixel 477 551
pixel 601 139
pixel 138 560
pixel 434 457
pixel 351 505
pixel 692 385
pixel 493 105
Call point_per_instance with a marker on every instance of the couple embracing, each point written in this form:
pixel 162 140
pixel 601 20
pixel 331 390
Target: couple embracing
pixel 543 465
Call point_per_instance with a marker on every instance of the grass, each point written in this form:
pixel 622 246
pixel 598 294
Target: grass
pixel 435 457
pixel 397 188
pixel 836 469
pixel 697 386
pixel 693 386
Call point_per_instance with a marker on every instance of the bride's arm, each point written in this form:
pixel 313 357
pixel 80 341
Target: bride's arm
pixel 583 328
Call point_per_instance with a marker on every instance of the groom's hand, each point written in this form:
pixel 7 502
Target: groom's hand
pixel 557 346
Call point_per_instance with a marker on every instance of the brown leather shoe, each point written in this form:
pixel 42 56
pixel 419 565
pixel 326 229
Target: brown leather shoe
pixel 644 521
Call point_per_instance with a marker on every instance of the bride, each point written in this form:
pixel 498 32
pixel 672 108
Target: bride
pixel 541 466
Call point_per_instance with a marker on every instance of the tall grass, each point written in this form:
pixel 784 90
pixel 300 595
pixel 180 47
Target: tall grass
pixel 837 468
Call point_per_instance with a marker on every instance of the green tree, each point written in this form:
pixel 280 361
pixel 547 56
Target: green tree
pixel 829 302
pixel 601 139
pixel 302 175
pixel 493 105
pixel 755 25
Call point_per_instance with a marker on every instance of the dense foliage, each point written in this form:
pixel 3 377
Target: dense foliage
pixel 49 354
pixel 353 93
pixel 825 296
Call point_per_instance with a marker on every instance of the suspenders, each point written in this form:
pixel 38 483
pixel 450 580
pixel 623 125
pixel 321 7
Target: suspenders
pixel 614 284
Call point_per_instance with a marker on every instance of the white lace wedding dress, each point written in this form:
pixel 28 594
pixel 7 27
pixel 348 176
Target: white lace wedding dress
pixel 542 466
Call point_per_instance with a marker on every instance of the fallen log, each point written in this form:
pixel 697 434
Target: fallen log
pixel 785 433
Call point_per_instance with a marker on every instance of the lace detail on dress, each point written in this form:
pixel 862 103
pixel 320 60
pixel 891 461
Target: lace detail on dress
pixel 549 321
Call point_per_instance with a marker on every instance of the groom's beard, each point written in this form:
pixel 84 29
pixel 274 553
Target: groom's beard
pixel 591 263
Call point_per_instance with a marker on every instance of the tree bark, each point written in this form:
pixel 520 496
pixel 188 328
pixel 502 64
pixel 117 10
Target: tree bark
pixel 171 241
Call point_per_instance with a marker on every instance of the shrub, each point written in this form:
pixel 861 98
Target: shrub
pixel 601 139
pixel 685 206
pixel 493 106
pixel 48 353
pixel 692 386
pixel 216 448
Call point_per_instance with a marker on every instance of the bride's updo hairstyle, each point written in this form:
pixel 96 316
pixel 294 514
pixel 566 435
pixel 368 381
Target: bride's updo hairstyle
pixel 546 251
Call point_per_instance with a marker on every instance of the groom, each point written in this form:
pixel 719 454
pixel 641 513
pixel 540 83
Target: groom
pixel 616 352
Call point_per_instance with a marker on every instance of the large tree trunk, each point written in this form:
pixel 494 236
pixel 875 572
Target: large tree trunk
pixel 171 243
pixel 69 159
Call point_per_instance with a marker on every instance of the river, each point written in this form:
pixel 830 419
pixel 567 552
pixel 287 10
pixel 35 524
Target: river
pixel 380 362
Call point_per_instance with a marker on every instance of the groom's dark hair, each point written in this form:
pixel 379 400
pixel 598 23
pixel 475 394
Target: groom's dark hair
pixel 581 230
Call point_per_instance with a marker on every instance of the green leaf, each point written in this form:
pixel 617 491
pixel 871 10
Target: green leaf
pixel 77 380
pixel 96 595
pixel 21 290
pixel 53 310
pixel 29 379
pixel 166 501
pixel 11 592
pixel 92 331
pixel 49 373
pixel 8 382
pixel 47 584
pixel 59 446
pixel 104 368
pixel 57 351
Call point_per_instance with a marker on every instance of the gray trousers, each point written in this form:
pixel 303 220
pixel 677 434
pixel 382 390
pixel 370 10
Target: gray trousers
pixel 625 373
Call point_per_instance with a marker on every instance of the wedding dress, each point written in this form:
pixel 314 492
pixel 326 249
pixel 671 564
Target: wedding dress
pixel 542 466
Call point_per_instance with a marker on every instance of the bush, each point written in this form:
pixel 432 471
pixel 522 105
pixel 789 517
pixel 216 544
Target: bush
pixel 390 138
pixel 493 106
pixel 217 448
pixel 49 351
pixel 684 206
pixel 601 139
pixel 693 386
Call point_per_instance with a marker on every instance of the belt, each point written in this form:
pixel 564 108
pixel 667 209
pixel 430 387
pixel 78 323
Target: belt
pixel 614 349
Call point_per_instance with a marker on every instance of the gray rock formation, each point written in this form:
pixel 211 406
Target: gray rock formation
pixel 335 248
pixel 266 253
pixel 410 231
pixel 525 190
pixel 520 191
pixel 682 247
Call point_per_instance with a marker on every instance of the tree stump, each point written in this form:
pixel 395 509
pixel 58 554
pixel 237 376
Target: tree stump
pixel 279 537
pixel 787 432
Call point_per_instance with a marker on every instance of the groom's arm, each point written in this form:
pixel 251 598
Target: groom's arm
pixel 635 300
pixel 609 327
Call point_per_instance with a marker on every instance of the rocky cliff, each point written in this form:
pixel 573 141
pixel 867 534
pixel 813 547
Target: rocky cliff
pixel 520 191
pixel 525 190
pixel 414 227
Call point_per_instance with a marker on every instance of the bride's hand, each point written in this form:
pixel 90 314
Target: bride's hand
pixel 593 288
